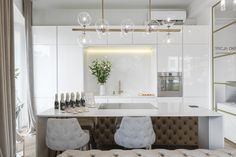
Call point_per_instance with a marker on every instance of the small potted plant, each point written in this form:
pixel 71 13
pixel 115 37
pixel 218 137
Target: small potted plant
pixel 101 70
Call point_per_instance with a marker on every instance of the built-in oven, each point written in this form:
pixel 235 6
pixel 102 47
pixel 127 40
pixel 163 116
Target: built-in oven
pixel 170 84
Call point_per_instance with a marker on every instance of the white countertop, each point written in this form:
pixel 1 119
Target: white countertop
pixel 163 110
pixel 124 96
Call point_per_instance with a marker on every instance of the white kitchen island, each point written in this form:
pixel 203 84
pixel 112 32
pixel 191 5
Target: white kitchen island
pixel 210 124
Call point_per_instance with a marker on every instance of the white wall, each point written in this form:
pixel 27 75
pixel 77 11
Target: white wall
pixel 65 17
pixel 201 10
pixel 69 16
pixel 135 71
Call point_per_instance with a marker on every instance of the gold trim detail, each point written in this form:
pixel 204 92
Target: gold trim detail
pixel 233 114
pixel 135 30
pixel 225 26
pixel 229 54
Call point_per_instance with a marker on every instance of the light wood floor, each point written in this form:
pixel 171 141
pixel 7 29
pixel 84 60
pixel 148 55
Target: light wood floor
pixel 30 146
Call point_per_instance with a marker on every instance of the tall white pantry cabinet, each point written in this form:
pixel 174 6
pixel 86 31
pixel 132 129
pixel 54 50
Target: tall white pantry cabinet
pixel 58 60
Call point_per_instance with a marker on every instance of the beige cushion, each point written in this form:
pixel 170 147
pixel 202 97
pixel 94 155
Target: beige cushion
pixel 152 153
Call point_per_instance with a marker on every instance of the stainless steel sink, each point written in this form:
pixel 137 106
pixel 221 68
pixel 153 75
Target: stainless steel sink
pixel 126 106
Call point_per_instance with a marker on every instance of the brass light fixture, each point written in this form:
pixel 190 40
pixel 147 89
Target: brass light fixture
pixel 102 25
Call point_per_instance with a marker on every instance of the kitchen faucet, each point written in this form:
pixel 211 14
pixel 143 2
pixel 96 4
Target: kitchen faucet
pixel 119 92
pixel 119 88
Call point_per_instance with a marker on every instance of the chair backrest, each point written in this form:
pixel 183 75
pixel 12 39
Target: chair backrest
pixel 63 134
pixel 135 132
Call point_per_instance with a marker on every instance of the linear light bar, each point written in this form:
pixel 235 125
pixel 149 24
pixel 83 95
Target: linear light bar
pixel 119 50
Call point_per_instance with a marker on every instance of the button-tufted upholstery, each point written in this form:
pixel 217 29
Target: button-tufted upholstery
pixel 63 134
pixel 135 132
pixel 170 131
pixel 176 130
pixel 151 153
pixel 104 132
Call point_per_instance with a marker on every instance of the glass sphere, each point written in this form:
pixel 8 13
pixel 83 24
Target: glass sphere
pixel 168 39
pixel 102 26
pixel 84 19
pixel 127 26
pixel 168 22
pixel 84 39
pixel 149 27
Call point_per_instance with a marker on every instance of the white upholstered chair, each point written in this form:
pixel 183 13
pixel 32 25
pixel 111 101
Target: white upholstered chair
pixel 135 132
pixel 64 134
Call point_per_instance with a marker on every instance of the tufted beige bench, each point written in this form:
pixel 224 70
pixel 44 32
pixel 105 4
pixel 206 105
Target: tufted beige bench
pixel 151 153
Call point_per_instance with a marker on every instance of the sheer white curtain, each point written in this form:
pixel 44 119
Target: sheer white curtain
pixel 27 11
pixel 23 61
pixel 21 71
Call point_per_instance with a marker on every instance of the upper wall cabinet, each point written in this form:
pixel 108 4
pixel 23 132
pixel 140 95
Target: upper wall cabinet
pixel 144 38
pixel 169 58
pixel 70 68
pixel 196 34
pixel 45 35
pixel 68 37
pixel 175 37
pixel 116 38
pixel 97 39
pixel 45 80
pixel 196 70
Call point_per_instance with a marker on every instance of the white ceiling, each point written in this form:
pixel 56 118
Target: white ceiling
pixel 110 4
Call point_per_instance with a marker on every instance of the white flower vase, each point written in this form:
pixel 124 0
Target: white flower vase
pixel 102 89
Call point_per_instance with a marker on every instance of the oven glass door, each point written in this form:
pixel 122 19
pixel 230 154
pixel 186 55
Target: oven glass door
pixel 170 83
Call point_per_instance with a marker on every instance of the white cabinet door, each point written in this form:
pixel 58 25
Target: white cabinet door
pixel 44 34
pixel 45 70
pixel 196 71
pixel 175 37
pixel 169 58
pixel 144 38
pixel 172 100
pixel 119 100
pixel 99 100
pixel 97 39
pixel 197 101
pixel 116 38
pixel 196 34
pixel 152 101
pixel 66 36
pixel 70 69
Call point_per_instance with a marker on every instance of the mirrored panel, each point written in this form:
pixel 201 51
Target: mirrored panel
pixel 225 41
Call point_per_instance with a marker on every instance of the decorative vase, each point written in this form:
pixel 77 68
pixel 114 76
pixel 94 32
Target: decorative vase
pixel 102 90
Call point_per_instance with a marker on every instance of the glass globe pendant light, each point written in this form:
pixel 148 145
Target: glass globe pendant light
pixel 84 39
pixel 102 25
pixel 127 26
pixel 84 19
pixel 168 40
pixel 168 22
pixel 149 25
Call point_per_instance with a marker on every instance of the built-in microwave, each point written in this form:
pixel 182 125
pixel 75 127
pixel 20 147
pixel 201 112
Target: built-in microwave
pixel 170 84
